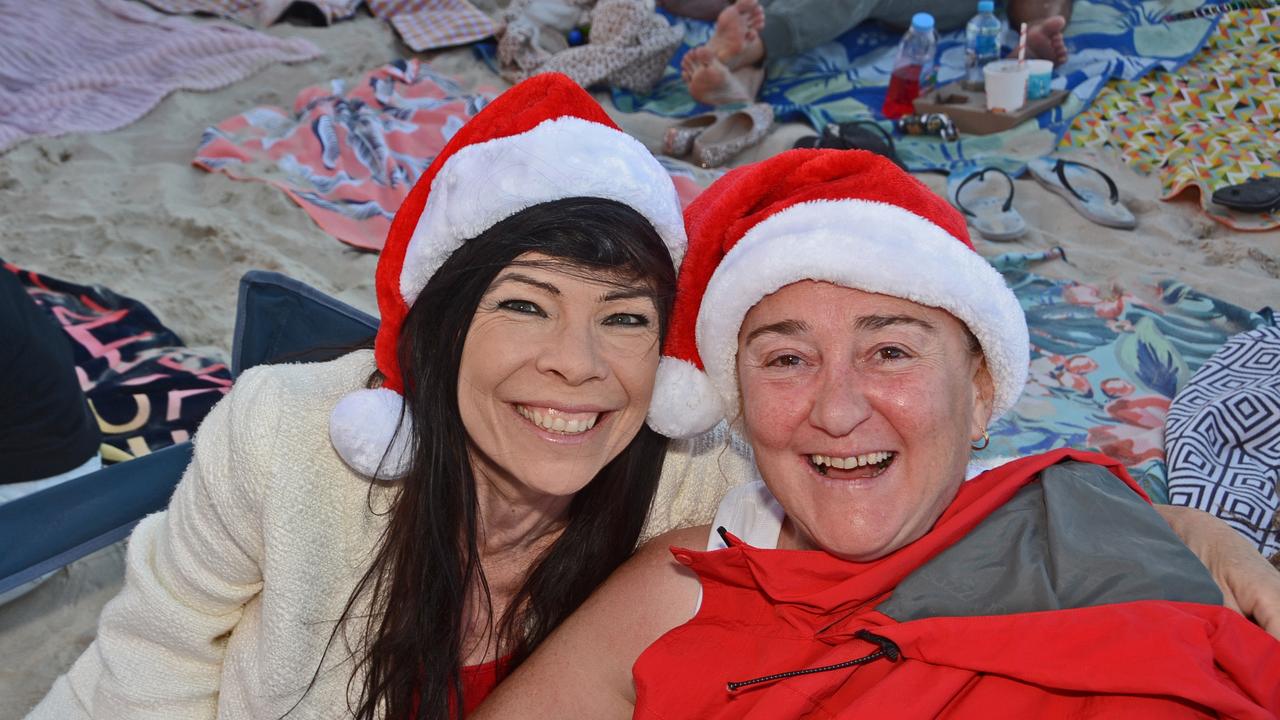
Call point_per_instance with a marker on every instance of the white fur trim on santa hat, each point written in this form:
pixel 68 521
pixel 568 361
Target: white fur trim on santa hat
pixel 871 246
pixel 365 428
pixel 487 182
pixel 685 403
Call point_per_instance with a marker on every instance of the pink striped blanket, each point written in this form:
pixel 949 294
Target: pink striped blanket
pixel 97 65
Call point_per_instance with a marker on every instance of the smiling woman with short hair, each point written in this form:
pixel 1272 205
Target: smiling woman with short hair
pixel 835 311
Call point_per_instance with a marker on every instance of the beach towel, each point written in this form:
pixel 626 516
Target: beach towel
pixel 259 13
pixel 98 65
pixel 846 79
pixel 349 157
pixel 145 388
pixel 1212 123
pixel 1107 362
pixel 1223 435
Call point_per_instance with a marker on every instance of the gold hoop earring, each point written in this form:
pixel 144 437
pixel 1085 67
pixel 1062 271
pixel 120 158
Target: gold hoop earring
pixel 986 440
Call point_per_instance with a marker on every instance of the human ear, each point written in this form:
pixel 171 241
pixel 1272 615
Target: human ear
pixel 984 391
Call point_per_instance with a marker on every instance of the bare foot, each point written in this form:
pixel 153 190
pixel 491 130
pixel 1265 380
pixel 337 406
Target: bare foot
pixel 696 9
pixel 736 39
pixel 710 81
pixel 1045 40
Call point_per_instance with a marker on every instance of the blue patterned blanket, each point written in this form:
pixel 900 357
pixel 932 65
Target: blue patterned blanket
pixel 846 79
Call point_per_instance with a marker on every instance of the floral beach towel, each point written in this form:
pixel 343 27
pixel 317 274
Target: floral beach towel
pixel 1106 364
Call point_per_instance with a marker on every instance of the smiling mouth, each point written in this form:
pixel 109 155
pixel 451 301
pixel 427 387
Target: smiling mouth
pixel 558 421
pixel 856 467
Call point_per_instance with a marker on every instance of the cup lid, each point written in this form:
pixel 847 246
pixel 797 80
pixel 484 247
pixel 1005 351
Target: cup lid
pixel 922 21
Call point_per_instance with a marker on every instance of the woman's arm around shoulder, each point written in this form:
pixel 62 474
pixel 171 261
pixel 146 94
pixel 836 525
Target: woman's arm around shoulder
pixel 1250 585
pixel 189 572
pixel 583 670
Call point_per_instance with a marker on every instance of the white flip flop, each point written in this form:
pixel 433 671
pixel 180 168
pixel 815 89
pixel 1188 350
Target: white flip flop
pixel 984 204
pixel 1080 185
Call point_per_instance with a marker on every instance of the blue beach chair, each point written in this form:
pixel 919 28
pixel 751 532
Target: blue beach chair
pixel 278 319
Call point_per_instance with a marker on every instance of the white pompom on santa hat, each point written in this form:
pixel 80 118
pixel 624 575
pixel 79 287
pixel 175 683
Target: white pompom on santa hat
pixel 545 139
pixel 848 217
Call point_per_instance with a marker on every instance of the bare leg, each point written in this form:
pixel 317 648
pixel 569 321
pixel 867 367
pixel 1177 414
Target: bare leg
pixel 1046 20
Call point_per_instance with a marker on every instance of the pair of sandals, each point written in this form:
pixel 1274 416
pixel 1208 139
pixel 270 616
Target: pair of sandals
pixel 714 138
pixel 1089 190
pixel 854 135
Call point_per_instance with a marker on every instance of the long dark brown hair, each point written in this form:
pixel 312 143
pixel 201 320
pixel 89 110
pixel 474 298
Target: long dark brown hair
pixel 410 645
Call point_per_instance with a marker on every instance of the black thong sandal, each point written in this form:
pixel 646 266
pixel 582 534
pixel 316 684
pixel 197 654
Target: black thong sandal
pixel 854 135
pixel 1258 195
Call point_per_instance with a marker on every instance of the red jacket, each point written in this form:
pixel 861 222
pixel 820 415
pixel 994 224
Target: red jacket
pixel 768 613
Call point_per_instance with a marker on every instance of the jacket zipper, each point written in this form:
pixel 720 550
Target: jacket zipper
pixel 888 649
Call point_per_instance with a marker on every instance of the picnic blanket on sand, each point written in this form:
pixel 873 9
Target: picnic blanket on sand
pixel 98 65
pixel 1107 362
pixel 146 390
pixel 846 79
pixel 1210 124
pixel 350 157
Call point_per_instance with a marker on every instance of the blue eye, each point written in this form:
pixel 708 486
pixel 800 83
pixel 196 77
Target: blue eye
pixel 627 319
pixel 523 307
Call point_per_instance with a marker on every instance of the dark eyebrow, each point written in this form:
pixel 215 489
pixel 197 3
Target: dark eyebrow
pixel 517 277
pixel 784 327
pixel 867 323
pixel 627 293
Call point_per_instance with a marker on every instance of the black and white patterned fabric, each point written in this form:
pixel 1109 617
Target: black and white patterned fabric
pixel 1222 437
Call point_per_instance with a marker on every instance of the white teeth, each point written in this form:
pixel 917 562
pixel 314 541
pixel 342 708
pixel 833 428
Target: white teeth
pixel 850 463
pixel 558 423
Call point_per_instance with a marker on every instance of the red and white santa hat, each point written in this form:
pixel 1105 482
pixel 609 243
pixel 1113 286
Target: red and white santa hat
pixel 545 139
pixel 848 217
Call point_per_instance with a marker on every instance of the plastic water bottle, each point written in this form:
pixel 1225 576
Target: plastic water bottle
pixel 913 69
pixel 981 43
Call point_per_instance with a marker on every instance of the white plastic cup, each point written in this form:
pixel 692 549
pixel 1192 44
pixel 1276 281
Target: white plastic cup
pixel 1006 84
pixel 1039 79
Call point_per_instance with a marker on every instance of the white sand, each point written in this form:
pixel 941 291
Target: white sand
pixel 128 210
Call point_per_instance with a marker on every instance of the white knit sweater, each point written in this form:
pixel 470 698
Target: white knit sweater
pixel 231 594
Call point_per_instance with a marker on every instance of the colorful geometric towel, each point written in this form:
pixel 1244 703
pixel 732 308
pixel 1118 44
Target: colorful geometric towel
pixel 1106 363
pixel 98 65
pixel 846 79
pixel 349 158
pixel 1212 123
pixel 146 390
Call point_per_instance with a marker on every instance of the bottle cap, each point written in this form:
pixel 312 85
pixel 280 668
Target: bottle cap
pixel 922 22
pixel 986 6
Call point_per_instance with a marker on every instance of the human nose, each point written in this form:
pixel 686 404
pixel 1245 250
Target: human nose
pixel 574 354
pixel 840 403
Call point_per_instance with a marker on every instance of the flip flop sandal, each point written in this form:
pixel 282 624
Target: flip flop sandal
pixel 990 214
pixel 1073 180
pixel 1258 195
pixel 854 135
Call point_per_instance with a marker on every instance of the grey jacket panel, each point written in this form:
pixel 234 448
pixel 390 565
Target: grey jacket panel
pixel 1077 538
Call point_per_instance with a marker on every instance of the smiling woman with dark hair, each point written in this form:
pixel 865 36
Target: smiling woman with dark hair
pixel 386 534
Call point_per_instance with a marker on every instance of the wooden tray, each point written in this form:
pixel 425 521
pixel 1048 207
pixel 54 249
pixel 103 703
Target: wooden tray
pixel 968 109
